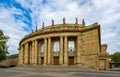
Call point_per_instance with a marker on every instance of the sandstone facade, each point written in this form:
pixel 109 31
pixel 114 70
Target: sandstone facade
pixel 11 60
pixel 38 47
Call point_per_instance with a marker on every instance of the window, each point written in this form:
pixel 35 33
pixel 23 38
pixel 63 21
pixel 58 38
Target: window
pixel 71 46
pixel 56 46
pixel 42 48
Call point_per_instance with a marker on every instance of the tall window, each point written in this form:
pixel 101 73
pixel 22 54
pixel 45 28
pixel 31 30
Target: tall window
pixel 42 48
pixel 71 46
pixel 56 46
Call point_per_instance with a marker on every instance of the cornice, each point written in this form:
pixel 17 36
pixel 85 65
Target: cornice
pixel 61 28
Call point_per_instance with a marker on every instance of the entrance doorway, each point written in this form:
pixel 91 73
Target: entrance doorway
pixel 102 64
pixel 71 61
pixel 56 60
pixel 42 60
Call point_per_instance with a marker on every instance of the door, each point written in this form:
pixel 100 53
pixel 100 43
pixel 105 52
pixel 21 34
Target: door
pixel 56 60
pixel 71 61
pixel 42 60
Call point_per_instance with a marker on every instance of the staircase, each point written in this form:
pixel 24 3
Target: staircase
pixel 52 68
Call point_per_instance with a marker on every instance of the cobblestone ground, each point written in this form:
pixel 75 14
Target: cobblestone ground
pixel 8 72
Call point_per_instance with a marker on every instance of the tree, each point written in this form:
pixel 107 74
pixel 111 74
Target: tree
pixel 115 57
pixel 3 46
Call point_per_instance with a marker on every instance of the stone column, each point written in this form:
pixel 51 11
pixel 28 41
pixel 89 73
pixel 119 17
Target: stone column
pixel 61 51
pixel 20 55
pixel 52 53
pixel 35 52
pixel 49 50
pixel 65 51
pixel 23 54
pixel 45 51
pixel 30 51
pixel 75 57
pixel 38 53
pixel 26 54
pixel 79 50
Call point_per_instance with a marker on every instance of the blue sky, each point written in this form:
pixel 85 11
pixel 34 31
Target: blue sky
pixel 19 17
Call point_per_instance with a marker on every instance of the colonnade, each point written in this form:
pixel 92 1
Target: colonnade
pixel 29 52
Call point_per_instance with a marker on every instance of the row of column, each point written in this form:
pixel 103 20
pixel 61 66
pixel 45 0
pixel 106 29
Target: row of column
pixel 28 54
pixel 63 56
pixel 33 54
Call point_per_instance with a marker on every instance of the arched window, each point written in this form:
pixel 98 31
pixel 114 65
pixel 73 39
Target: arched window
pixel 71 46
pixel 56 46
pixel 42 48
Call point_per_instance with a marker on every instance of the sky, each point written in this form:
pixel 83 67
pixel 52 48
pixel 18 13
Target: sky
pixel 19 17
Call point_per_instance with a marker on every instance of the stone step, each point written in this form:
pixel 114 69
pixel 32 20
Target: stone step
pixel 51 68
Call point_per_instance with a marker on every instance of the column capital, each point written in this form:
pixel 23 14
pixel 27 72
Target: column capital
pixel 45 38
pixel 33 40
pixel 25 43
pixel 22 45
pixel 49 37
pixel 65 36
pixel 61 36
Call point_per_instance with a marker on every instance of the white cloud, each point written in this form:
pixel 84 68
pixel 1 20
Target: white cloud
pixel 105 12
pixel 12 28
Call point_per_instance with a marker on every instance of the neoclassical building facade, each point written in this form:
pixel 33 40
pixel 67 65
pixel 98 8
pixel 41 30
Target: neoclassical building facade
pixel 65 44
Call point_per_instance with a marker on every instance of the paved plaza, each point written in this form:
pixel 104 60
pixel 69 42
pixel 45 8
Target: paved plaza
pixel 15 72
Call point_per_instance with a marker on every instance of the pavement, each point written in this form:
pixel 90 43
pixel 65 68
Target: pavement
pixel 14 72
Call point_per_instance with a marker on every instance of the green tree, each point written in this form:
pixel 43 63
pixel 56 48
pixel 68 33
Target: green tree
pixel 3 46
pixel 115 57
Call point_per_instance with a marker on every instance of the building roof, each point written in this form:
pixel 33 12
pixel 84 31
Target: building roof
pixel 61 28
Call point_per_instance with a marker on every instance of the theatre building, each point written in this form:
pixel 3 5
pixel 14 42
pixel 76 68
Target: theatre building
pixel 65 44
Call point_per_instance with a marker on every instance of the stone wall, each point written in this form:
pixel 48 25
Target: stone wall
pixel 89 47
pixel 104 58
pixel 10 61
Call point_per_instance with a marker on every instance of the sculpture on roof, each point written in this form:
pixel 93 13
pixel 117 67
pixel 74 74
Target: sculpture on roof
pixel 64 20
pixel 76 21
pixel 83 22
pixel 43 25
pixel 36 27
pixel 52 22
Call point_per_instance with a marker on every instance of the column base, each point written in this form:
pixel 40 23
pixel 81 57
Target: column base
pixel 65 64
pixel 44 64
pixel 26 64
pixel 79 64
pixel 34 64
pixel 20 64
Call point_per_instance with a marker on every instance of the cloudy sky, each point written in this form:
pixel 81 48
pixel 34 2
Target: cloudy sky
pixel 19 17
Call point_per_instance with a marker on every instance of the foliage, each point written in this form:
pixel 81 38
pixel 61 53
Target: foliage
pixel 115 57
pixel 3 45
